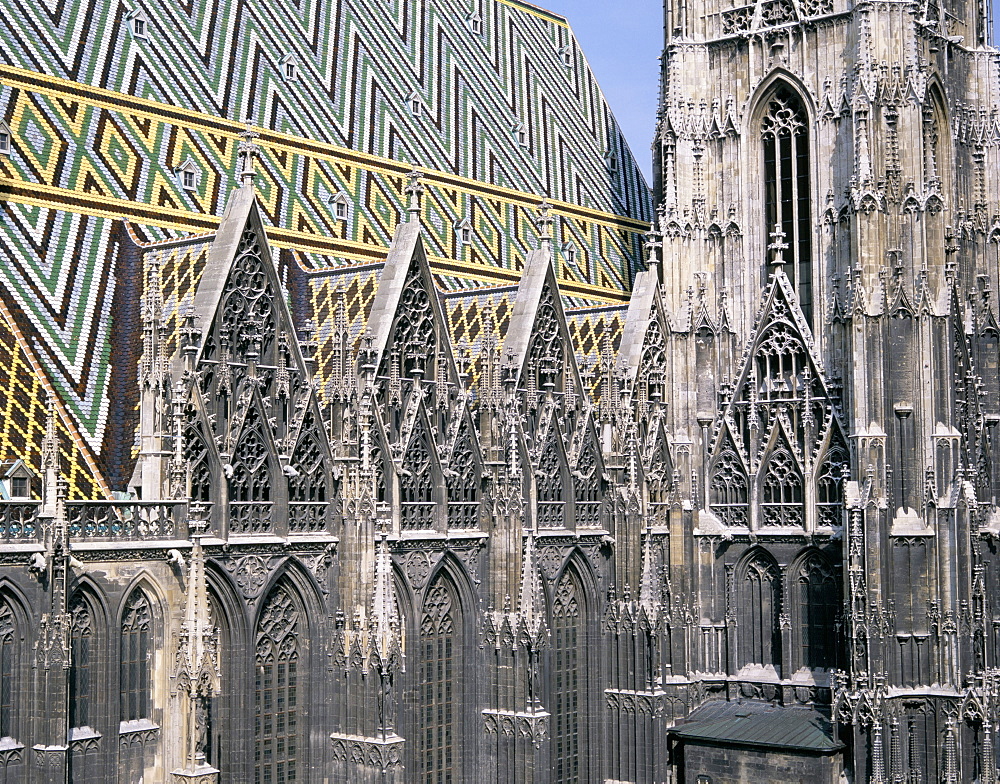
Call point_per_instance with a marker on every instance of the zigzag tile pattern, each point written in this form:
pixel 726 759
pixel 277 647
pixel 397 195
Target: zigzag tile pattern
pixel 102 120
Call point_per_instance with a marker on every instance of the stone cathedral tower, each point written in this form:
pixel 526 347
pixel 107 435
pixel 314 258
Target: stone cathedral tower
pixel 827 185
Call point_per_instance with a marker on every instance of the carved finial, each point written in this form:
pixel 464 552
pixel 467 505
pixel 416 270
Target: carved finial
pixel 414 190
pixel 248 151
pixel 543 222
pixel 652 243
pixel 778 246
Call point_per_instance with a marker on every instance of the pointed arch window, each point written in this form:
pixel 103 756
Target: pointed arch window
pixel 829 487
pixel 8 662
pixel 440 685
pixel 463 485
pixel 416 484
pixel 759 605
pixel 817 611
pixel 136 648
pixel 81 639
pixel 781 491
pixel 587 489
pixel 784 133
pixel 250 481
pixel 276 695
pixel 728 489
pixel 307 481
pixel 196 457
pixel 568 676
pixel 551 502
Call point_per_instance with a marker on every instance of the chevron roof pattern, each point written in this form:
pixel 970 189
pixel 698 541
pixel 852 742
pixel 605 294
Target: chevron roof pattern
pixel 105 122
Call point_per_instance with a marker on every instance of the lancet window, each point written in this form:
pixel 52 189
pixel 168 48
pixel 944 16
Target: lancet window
pixel 416 484
pixel 817 607
pixel 653 365
pixel 759 605
pixel 830 485
pixel 463 485
pixel 781 491
pixel 136 649
pixel 440 685
pixel 81 639
pixel 8 661
pixel 307 487
pixel 568 676
pixel 784 133
pixel 196 456
pixel 587 489
pixel 551 504
pixel 728 489
pixel 276 695
pixel 250 483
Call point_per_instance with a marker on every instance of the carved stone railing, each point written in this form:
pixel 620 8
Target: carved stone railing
pixel 307 517
pixel 125 520
pixel 19 521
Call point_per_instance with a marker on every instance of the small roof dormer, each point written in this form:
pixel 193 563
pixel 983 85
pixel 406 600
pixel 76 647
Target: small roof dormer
pixel 138 24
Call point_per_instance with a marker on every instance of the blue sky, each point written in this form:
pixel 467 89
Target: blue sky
pixel 623 40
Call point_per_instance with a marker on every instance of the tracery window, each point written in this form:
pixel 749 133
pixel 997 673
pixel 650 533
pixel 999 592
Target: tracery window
pixel 463 485
pixel 587 489
pixel 785 140
pixel 413 334
pixel 817 608
pixel 81 638
pixel 196 456
pixel 136 649
pixel 416 484
pixel 653 364
pixel 728 489
pixel 568 676
pixel 829 486
pixel 248 309
pixel 8 659
pixel 551 503
pixel 545 353
pixel 307 488
pixel 276 697
pixel 250 483
pixel 440 685
pixel 759 605
pixel 781 491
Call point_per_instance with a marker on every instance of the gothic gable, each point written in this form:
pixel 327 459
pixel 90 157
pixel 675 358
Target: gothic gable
pixel 778 429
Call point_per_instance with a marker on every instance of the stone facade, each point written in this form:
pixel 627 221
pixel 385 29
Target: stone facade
pixel 508 505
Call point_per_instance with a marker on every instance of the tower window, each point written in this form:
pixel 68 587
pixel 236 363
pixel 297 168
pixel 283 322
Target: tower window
pixel 787 225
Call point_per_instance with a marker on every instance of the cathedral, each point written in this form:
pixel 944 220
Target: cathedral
pixel 367 417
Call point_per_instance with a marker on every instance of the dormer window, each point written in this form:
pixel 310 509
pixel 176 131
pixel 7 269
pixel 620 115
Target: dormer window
pixel 341 206
pixel 15 480
pixel 611 160
pixel 289 71
pixel 188 175
pixel 566 55
pixel 569 253
pixel 521 134
pixel 6 139
pixel 138 24
pixel 464 230
pixel 415 104
pixel 474 22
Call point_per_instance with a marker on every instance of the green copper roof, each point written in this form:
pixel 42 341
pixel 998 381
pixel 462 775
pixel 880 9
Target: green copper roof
pixel 764 726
